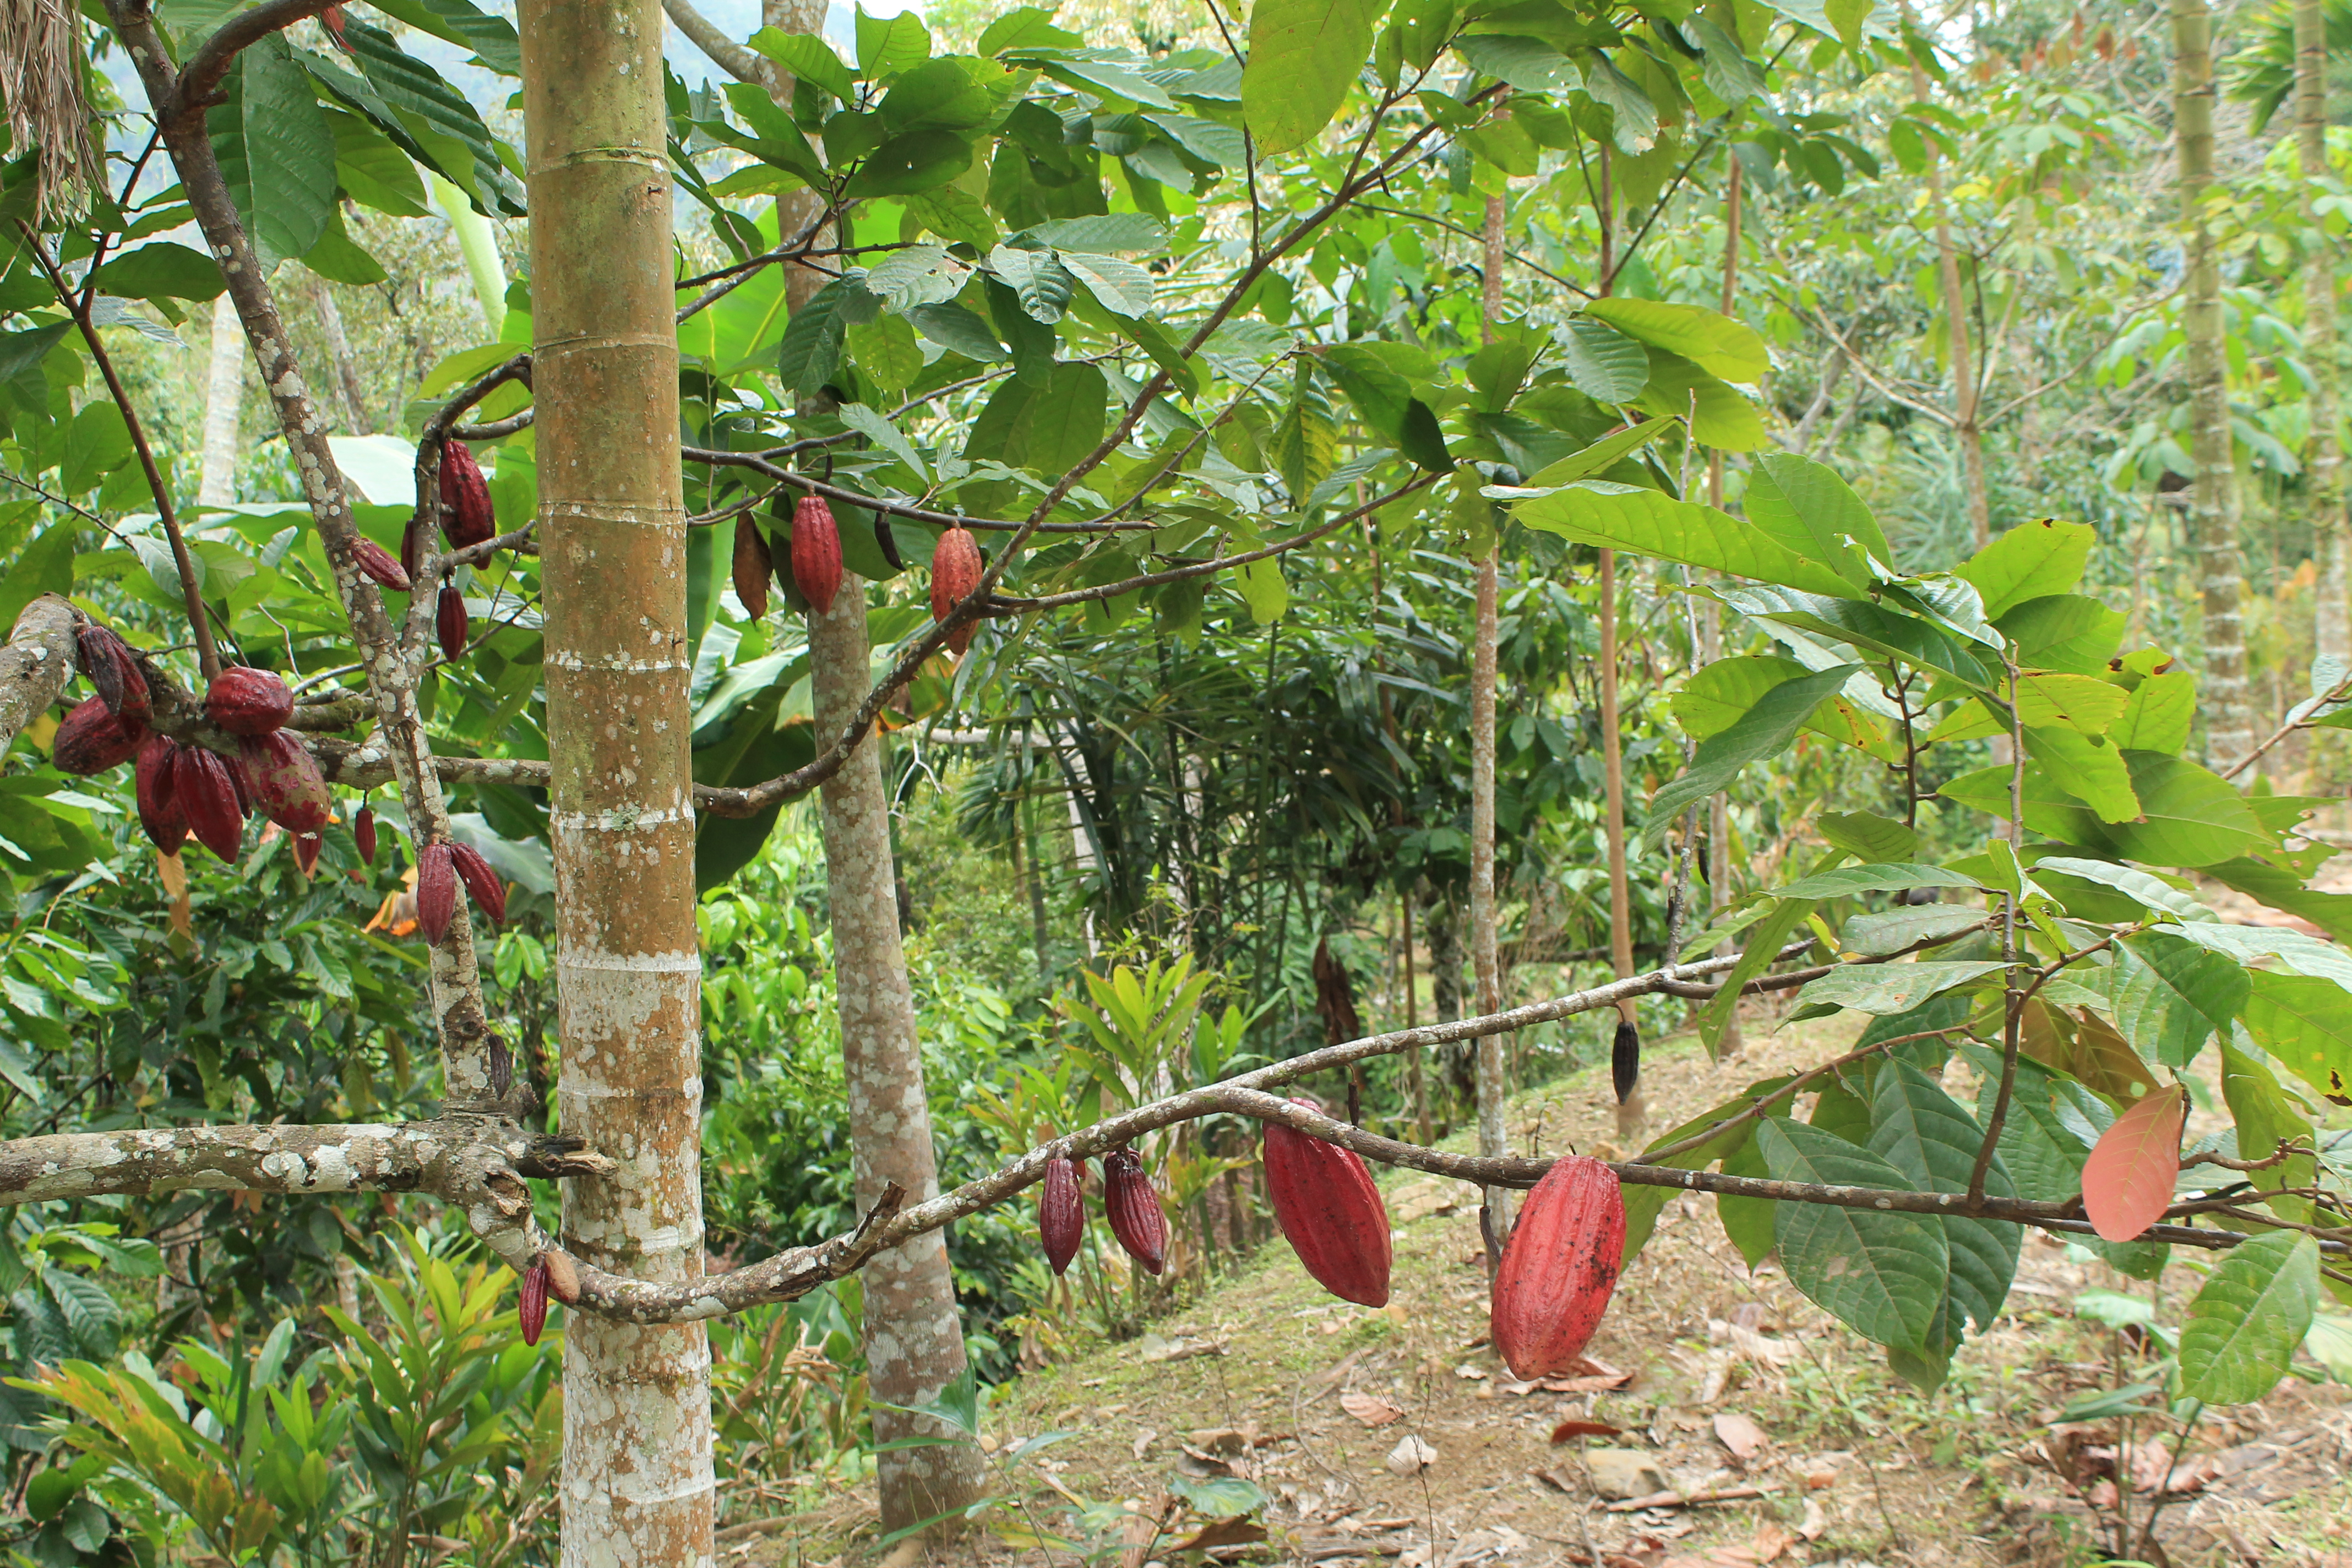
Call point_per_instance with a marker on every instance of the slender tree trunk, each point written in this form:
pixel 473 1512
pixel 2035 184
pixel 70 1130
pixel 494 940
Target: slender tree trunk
pixel 224 405
pixel 1494 1086
pixel 638 1489
pixel 913 1336
pixel 1966 394
pixel 2332 628
pixel 339 347
pixel 2213 498
pixel 1710 632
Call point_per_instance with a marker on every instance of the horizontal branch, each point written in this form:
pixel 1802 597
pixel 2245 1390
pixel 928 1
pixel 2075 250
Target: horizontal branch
pixel 212 58
pixel 814 486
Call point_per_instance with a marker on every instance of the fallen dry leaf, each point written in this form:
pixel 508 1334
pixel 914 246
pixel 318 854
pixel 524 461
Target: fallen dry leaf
pixel 1372 1409
pixel 1770 1541
pixel 1815 1521
pixel 1567 1429
pixel 1410 1456
pixel 1738 1433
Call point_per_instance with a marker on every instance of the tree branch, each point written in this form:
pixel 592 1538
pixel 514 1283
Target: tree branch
pixel 34 664
pixel 212 58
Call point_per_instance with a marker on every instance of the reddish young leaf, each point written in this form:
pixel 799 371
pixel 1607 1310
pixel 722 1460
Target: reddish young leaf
pixel 2127 1180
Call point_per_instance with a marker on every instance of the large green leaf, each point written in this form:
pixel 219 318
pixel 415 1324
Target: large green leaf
pixel 1600 457
pixel 2266 1117
pixel 1847 881
pixel 1644 522
pixel 1764 731
pixel 1303 54
pixel 2159 713
pixel 2084 766
pixel 2039 1144
pixel 2305 1023
pixel 1873 627
pixel 1709 339
pixel 1884 988
pixel 1747 1222
pixel 2190 817
pixel 2283 889
pixel 1602 362
pixel 2170 996
pixel 2029 562
pixel 1808 508
pixel 2245 1323
pixel 1643 1204
pixel 1882 1274
pixel 425 116
pixel 1925 1133
pixel 277 154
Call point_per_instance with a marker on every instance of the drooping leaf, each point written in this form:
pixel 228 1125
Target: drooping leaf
pixel 2305 1023
pixel 276 152
pixel 2170 996
pixel 1602 362
pixel 1810 510
pixel 2127 1180
pixel 1925 1133
pixel 1882 1273
pixel 1303 54
pixel 2267 1118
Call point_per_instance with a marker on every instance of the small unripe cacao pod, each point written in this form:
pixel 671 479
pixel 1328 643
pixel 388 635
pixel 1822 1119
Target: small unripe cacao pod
pixel 1328 1207
pixel 247 701
pixel 159 809
pixel 436 892
pixel 286 782
pixel 449 622
pixel 1625 1059
pixel 376 561
pixel 364 833
pixel 956 567
pixel 1133 1210
pixel 816 552
pixel 306 852
pixel 752 566
pixel 91 739
pixel 114 674
pixel 1061 1214
pixel 207 796
pixel 412 549
pixel 562 1276
pixel 533 1311
pixel 1558 1269
pixel 482 884
pixel 466 517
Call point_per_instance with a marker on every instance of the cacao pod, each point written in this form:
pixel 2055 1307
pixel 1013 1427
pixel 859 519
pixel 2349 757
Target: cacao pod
pixel 482 884
pixel 533 1311
pixel 159 809
pixel 412 549
pixel 436 892
pixel 466 517
pixel 306 852
pixel 239 785
pixel 286 782
pixel 207 796
pixel 1328 1207
pixel 1625 1059
pixel 956 567
pixel 1061 1214
pixel 816 552
pixel 91 739
pixel 364 833
pixel 247 701
pixel 1558 1269
pixel 376 561
pixel 1133 1209
pixel 450 622
pixel 753 565
pixel 562 1276
pixel 113 673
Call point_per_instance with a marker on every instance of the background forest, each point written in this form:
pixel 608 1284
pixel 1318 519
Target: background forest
pixel 1151 839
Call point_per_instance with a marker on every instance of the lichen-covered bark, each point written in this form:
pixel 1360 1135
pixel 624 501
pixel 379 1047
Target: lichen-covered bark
pixel 2331 616
pixel 638 1483
pixel 913 1336
pixel 35 663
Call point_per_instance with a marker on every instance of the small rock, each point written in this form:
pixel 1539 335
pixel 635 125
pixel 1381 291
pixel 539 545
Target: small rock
pixel 1622 1473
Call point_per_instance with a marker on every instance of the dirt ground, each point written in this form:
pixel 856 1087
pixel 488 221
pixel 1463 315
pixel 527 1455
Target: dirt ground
pixel 1396 1439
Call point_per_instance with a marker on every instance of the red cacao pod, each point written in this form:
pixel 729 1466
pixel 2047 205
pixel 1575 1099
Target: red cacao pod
pixel 1558 1269
pixel 376 561
pixel 412 549
pixel 247 701
pixel 956 567
pixel 436 892
pixel 816 552
pixel 482 884
pixel 113 673
pixel 206 795
pixel 533 1311
pixel 1325 1201
pixel 364 833
pixel 286 782
pixel 751 567
pixel 159 809
pixel 450 622
pixel 562 1276
pixel 1133 1209
pixel 306 852
pixel 91 739
pixel 465 514
pixel 1061 1214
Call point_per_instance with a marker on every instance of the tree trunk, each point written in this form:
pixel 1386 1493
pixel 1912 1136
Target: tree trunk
pixel 1965 391
pixel 1710 635
pixel 2213 498
pixel 339 347
pixel 1486 959
pixel 913 1336
pixel 2332 619
pixel 224 405
pixel 638 1489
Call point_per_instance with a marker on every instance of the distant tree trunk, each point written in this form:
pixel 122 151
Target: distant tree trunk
pixel 338 349
pixel 914 1335
pixel 638 1487
pixel 2332 620
pixel 1965 391
pixel 1493 1084
pixel 1710 633
pixel 2213 499
pixel 224 405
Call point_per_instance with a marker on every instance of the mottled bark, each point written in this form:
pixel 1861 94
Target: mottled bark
pixel 2213 497
pixel 914 1335
pixel 1485 956
pixel 638 1489
pixel 2322 348
pixel 34 664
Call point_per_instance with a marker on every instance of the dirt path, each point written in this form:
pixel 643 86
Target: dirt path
pixel 1731 1384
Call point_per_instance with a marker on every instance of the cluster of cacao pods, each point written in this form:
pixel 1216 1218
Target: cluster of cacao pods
pixel 1330 1211
pixel 1558 1269
pixel 956 568
pixel 1129 1203
pixel 466 517
pixel 439 869
pixel 815 560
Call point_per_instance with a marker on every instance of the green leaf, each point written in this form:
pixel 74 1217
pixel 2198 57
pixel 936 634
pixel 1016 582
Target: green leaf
pixel 2078 701
pixel 1120 285
pixel 1709 339
pixel 1263 589
pixel 809 58
pixel 1866 835
pixel 2158 716
pixel 1602 362
pixel 428 119
pixel 1303 54
pixel 1849 881
pixel 277 154
pixel 1764 731
pixel 1882 1274
pixel 161 270
pixel 2265 1119
pixel 1877 627
pixel 1925 1133
pixel 810 346
pixel 888 44
pixel 918 161
pixel 1105 233
pixel 2305 1024
pixel 492 39
pixel 1765 939
pixel 2090 770
pixel 2070 632
pixel 1887 988
pixel 1808 508
pixel 1600 457
pixel 2248 1320
pixel 1643 1204
pixel 1644 522
pixel 2148 891
pixel 2028 562
pixel 2190 817
pixel 1748 1223
pixel 2283 889
pixel 1879 935
pixel 44 566
pixel 1719 416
